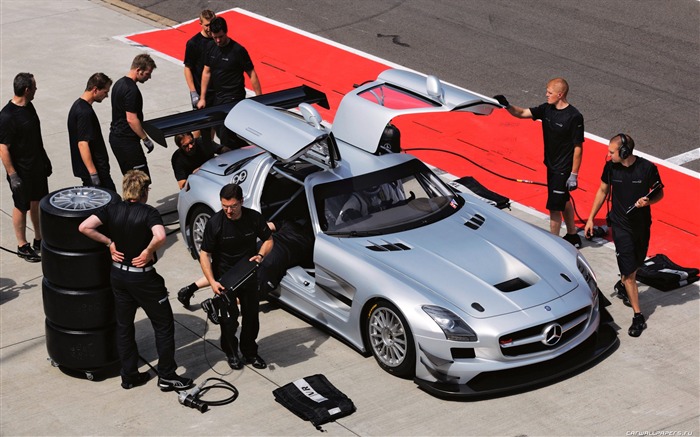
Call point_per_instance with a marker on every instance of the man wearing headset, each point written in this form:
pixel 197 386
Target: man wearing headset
pixel 632 179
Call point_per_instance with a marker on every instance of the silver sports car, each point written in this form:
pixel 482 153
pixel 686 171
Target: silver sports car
pixel 437 285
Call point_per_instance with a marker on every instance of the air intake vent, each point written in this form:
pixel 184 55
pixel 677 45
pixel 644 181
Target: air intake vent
pixel 388 247
pixel 475 222
pixel 512 285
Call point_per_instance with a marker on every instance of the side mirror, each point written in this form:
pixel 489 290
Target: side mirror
pixel 434 88
pixel 310 115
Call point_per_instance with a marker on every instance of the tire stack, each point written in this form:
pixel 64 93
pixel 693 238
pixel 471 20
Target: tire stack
pixel 78 299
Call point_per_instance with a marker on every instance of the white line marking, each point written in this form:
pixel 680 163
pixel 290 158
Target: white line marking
pixel 691 155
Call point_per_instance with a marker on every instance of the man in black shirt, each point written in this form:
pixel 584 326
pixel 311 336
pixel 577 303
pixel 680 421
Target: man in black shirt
pixel 195 50
pixel 562 129
pixel 191 153
pixel 87 146
pixel 126 130
pixel 229 236
pixel 631 178
pixel 137 231
pixel 224 64
pixel 26 162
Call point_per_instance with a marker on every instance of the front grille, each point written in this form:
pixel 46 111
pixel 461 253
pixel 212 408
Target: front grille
pixel 529 340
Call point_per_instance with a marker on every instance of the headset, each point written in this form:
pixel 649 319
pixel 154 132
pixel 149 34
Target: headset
pixel 625 148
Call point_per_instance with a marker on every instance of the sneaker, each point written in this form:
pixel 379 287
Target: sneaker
pixel 256 362
pixel 184 296
pixel 574 239
pixel 139 379
pixel 234 362
pixel 621 293
pixel 638 325
pixel 36 245
pixel 28 254
pixel 174 382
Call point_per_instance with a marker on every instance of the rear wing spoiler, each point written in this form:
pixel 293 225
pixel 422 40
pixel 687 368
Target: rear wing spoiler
pixel 163 127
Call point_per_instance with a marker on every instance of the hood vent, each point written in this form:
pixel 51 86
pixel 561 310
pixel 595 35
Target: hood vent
pixel 512 285
pixel 475 221
pixel 388 247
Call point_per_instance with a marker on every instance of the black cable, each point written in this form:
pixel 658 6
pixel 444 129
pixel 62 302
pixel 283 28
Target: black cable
pixel 524 181
pixel 222 384
pixel 8 250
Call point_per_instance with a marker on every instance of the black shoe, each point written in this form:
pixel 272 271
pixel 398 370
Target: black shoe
pixel 36 245
pixel 234 362
pixel 638 325
pixel 256 362
pixel 174 382
pixel 621 293
pixel 27 253
pixel 574 239
pixel 135 380
pixel 184 295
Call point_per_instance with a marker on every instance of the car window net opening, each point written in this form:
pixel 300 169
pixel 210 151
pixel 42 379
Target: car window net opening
pixel 403 197
pixel 396 98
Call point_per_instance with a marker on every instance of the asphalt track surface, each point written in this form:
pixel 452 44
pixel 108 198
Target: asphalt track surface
pixel 633 66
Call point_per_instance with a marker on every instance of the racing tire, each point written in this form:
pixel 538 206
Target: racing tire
pixel 390 339
pixel 195 228
pixel 76 270
pixel 62 211
pixel 82 349
pixel 78 309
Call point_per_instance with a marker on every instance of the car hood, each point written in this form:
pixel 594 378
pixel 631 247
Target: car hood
pixel 489 271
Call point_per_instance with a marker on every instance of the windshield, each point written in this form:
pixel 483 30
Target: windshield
pixel 403 197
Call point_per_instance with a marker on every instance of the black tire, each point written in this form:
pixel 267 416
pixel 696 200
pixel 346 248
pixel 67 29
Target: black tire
pixel 390 339
pixel 82 349
pixel 62 211
pixel 76 271
pixel 195 227
pixel 78 309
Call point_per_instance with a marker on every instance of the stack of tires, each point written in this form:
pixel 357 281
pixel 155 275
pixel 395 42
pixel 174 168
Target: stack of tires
pixel 78 300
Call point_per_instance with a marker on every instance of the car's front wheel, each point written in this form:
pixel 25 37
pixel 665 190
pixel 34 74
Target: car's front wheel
pixel 196 224
pixel 391 340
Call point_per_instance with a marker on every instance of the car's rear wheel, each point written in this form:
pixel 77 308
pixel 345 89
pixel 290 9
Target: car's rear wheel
pixel 391 340
pixel 197 222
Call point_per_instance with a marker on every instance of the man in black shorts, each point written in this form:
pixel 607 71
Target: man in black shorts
pixel 126 131
pixel 224 64
pixel 26 162
pixel 195 50
pixel 137 231
pixel 631 179
pixel 229 236
pixel 88 152
pixel 562 128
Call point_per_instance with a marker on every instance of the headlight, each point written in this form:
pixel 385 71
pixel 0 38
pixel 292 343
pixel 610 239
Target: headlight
pixel 587 273
pixel 455 328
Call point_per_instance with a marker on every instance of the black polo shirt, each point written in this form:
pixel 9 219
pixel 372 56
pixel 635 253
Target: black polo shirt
pixel 628 184
pixel 228 241
pixel 227 66
pixel 20 130
pixel 129 225
pixel 83 125
pixel 126 97
pixel 561 130
pixel 195 51
pixel 184 165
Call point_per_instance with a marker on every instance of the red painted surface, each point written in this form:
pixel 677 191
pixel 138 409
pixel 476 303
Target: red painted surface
pixel 500 143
